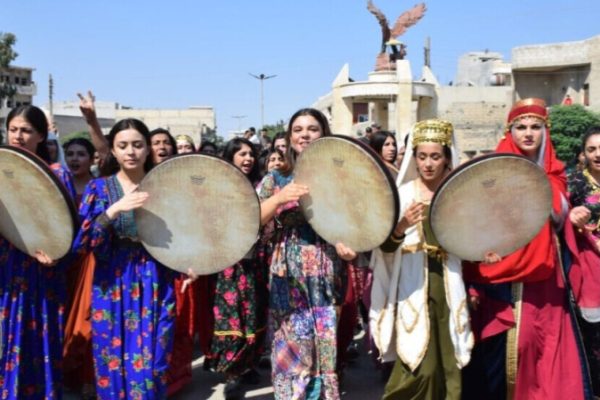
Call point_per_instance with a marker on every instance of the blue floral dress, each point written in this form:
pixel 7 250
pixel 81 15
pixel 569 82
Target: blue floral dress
pixel 133 302
pixel 32 302
pixel 305 286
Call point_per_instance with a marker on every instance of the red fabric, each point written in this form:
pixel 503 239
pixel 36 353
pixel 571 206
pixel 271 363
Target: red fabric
pixel 78 361
pixel 535 261
pixel 548 366
pixel 491 316
pixel 584 274
pixel 179 373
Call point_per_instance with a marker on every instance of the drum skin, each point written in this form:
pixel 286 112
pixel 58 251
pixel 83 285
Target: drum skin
pixel 36 212
pixel 352 197
pixel 495 203
pixel 202 213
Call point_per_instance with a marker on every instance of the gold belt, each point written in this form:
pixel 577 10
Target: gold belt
pixel 432 251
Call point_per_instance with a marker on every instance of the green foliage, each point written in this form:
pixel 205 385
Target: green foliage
pixel 568 124
pixel 211 136
pixel 7 54
pixel 273 129
pixel 74 135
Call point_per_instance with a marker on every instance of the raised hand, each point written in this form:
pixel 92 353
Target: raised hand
pixel 87 106
pixel 130 201
pixel 292 192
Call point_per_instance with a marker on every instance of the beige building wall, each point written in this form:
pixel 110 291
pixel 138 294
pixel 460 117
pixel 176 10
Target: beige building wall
pixel 478 115
pixel 193 121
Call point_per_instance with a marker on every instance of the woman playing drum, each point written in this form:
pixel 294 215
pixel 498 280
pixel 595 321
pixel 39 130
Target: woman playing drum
pixel 418 298
pixel 133 300
pixel 305 278
pixel 32 290
pixel 527 347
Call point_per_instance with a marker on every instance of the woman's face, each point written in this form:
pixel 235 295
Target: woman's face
pixel 280 145
pixel 22 134
pixel 184 147
pixel 244 159
pixel 209 149
pixel 431 161
pixel 592 153
pixel 305 129
pixel 275 161
pixel 78 160
pixel 52 147
pixel 130 149
pixel 388 150
pixel 527 134
pixel 161 148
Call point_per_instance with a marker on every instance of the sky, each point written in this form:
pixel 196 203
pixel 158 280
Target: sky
pixel 177 54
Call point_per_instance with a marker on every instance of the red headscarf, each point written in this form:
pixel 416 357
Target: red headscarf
pixel 536 260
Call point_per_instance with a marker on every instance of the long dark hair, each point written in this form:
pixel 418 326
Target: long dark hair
pixel 37 119
pixel 110 166
pixel 235 145
pixel 290 154
pixel 378 139
pixel 89 147
pixel 163 131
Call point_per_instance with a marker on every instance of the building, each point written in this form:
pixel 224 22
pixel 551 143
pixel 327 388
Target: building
pixel 194 121
pixel 478 99
pixel 21 78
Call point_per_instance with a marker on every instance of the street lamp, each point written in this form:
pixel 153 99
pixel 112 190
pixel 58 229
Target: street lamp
pixel 239 118
pixel 262 78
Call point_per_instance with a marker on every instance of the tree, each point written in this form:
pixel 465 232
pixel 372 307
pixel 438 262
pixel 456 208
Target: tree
pixel 568 124
pixel 7 55
pixel 273 129
pixel 210 135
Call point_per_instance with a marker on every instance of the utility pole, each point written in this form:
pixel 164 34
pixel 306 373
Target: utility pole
pixel 262 78
pixel 50 96
pixel 427 50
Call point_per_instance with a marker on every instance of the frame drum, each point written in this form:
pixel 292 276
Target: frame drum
pixel 36 211
pixel 497 203
pixel 352 196
pixel 202 213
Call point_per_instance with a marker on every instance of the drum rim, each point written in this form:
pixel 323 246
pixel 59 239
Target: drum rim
pixel 380 164
pixel 57 183
pixel 468 164
pixel 218 158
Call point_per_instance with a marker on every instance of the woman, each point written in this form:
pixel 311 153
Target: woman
pixel 163 145
pixel 274 160
pixel 78 358
pixel 584 242
pixel 384 144
pixel 238 300
pixel 279 142
pixel 208 148
pixel 527 348
pixel 305 278
pixel 32 290
pixel 418 295
pixel 185 144
pixel 55 152
pixel 132 300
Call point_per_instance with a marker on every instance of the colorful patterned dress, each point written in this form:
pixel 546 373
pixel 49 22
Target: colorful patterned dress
pixel 32 301
pixel 305 286
pixel 583 191
pixel 132 301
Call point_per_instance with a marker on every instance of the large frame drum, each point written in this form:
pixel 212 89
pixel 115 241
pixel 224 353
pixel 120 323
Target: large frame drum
pixel 495 203
pixel 352 197
pixel 202 213
pixel 36 211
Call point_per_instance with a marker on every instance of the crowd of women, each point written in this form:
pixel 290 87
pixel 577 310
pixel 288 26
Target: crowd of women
pixel 110 322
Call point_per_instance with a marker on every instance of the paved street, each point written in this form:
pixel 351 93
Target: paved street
pixel 362 381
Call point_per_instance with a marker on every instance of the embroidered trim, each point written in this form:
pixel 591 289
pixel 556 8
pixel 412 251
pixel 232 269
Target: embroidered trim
pixel 512 341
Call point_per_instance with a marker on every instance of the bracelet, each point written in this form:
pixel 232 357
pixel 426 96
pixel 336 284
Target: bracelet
pixel 397 239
